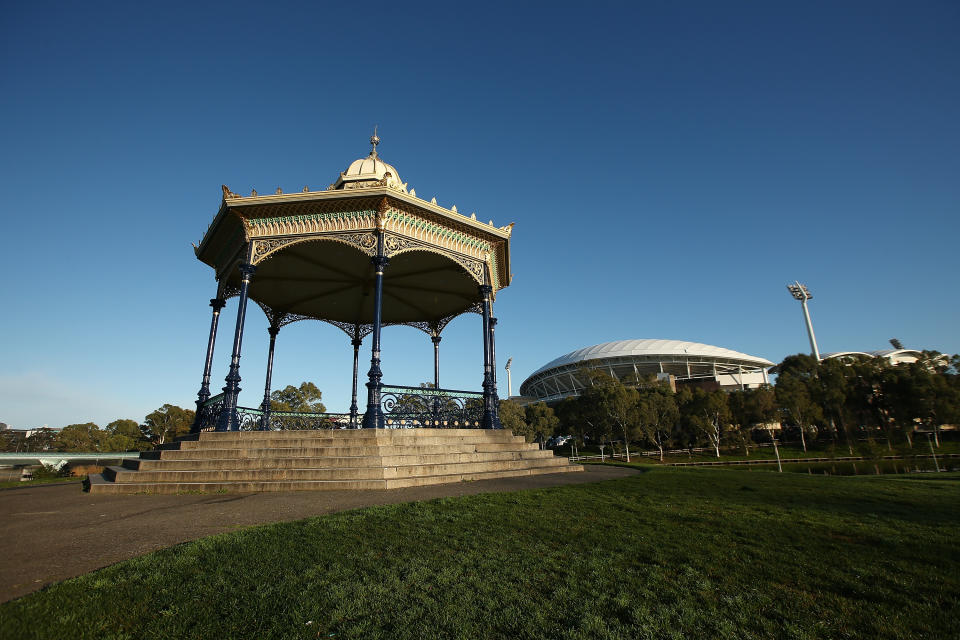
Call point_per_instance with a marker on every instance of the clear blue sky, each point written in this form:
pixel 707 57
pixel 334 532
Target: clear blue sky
pixel 670 166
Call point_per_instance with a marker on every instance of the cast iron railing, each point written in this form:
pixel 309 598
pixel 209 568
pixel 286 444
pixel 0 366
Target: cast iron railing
pixel 403 408
pixel 249 419
pixel 209 413
pixel 254 419
pixel 412 407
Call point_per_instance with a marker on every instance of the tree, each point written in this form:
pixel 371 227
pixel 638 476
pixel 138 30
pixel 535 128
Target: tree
pixel 42 439
pixel 167 423
pixel 302 399
pixel 512 417
pixel 80 437
pixel 709 414
pixel 741 416
pixel 580 418
pixel 834 380
pixel 795 393
pixel 762 408
pixel 613 405
pixel 12 440
pixel 125 435
pixel 657 414
pixel 541 422
pixel 928 395
pixel 871 398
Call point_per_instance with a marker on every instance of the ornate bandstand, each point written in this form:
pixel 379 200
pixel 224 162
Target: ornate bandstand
pixel 363 253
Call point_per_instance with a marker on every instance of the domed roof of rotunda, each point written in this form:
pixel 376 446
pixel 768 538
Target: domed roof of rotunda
pixel 369 172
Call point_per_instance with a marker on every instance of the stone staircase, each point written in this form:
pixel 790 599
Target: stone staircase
pixel 252 461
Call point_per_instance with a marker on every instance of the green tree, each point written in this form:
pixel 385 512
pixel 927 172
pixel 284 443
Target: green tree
pixel 541 422
pixel 125 435
pixel 302 399
pixel 657 414
pixel 709 414
pixel 579 418
pixel 927 393
pixel 796 393
pixel 512 417
pixel 167 422
pixel 80 437
pixel 871 400
pixel 613 406
pixel 12 440
pixel 749 409
pixel 43 439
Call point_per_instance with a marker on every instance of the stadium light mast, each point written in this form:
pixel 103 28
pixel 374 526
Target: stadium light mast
pixel 802 293
pixel 509 380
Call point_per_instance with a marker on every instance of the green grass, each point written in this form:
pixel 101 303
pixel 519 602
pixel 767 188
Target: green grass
pixel 815 450
pixel 8 484
pixel 671 553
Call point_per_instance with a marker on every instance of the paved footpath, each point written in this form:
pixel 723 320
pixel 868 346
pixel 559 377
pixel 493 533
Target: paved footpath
pixel 54 532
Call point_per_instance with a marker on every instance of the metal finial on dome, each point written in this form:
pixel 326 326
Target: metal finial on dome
pixel 374 140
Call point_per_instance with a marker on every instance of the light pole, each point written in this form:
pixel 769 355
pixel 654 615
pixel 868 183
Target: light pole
pixel 801 293
pixel 509 379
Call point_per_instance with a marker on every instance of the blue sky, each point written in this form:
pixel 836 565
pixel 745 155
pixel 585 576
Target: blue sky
pixel 670 166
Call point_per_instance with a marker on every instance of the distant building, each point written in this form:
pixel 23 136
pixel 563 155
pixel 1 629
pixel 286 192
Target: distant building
pixel 31 432
pixel 678 362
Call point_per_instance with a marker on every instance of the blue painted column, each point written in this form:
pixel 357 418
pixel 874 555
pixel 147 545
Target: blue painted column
pixel 354 409
pixel 228 417
pixel 489 391
pixel 204 394
pixel 436 360
pixel 373 418
pixel 435 338
pixel 493 369
pixel 265 405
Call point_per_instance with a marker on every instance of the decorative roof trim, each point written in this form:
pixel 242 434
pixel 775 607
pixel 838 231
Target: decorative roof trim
pixel 247 201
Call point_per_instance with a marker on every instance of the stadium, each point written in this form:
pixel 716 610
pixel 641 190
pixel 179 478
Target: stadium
pixel 690 363
pixel 893 356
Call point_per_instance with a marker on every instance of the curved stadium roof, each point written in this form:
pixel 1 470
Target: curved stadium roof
pixel 883 353
pixel 688 359
pixel 627 348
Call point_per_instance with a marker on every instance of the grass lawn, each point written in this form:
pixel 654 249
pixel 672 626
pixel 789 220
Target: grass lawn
pixel 789 451
pixel 670 553
pixel 11 484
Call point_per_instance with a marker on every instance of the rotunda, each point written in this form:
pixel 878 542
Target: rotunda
pixel 363 253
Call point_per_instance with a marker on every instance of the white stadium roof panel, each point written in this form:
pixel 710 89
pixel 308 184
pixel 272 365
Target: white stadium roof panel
pixel 651 348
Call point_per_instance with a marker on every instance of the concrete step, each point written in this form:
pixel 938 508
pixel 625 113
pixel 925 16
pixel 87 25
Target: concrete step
pixel 288 439
pixel 120 474
pixel 302 452
pixel 330 461
pixel 100 485
pixel 327 459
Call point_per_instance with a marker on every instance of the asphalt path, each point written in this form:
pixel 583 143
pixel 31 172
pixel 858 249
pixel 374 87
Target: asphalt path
pixel 55 532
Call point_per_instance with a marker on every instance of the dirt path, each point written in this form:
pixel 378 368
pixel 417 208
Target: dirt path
pixel 55 532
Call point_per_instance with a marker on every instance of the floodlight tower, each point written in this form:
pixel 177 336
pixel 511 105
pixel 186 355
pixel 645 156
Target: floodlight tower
pixel 509 381
pixel 801 293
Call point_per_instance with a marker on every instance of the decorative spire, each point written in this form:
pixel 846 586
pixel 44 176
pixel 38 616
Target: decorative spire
pixel 374 140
